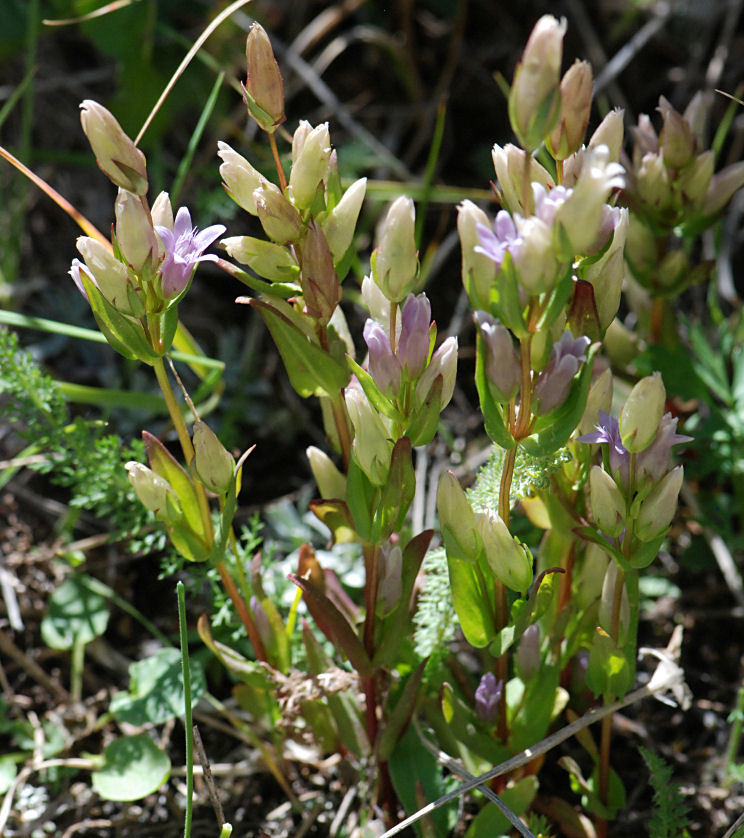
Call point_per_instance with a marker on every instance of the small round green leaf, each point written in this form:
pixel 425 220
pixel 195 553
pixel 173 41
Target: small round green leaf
pixel 76 613
pixel 133 767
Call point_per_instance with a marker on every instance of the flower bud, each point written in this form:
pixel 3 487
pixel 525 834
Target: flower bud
pixel 457 519
pixel 161 211
pixel 653 183
pixel 722 187
pixel 608 273
pixel 506 557
pixel 695 116
pixel 640 248
pixel 264 88
pixel 508 163
pixel 607 501
pixel 527 657
pixel 657 510
pixel 298 138
pixel 591 576
pixel 117 156
pixel 443 362
pixel 644 137
pixel 390 584
pixel 693 181
pixel 535 258
pixel 534 98
pixel 413 341
pixel 488 698
pixel 478 271
pixel 239 178
pixel 607 602
pixel 310 167
pixel 642 412
pixel 599 398
pixel 372 445
pixel 503 368
pixel 384 366
pixel 677 142
pixel 609 133
pixel 151 489
pixel 673 270
pixel 269 260
pixel 376 303
pixel 320 286
pixel 135 233
pixel 554 382
pixel 110 275
pixel 331 483
pixel 340 223
pixel 213 463
pixel 280 220
pixel 576 105
pixel 395 262
pixel 653 461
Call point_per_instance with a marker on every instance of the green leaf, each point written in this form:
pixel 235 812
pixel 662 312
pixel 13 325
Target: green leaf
pixel 76 614
pixel 361 499
pixel 490 821
pixel 535 710
pixel 416 775
pixel 133 767
pixel 311 370
pixel 252 673
pixel 376 397
pixel 553 430
pixel 400 715
pixel 610 673
pixel 398 492
pixel 472 596
pixel 156 689
pixel 8 771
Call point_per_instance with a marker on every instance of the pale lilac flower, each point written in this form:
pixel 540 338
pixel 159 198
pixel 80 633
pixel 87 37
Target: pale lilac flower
pixel 184 248
pixel 413 343
pixel 608 431
pixel 503 237
pixel 547 201
pixel 384 366
pixel 653 461
pixel 553 383
pixel 487 698
pixel 74 272
pixel 503 369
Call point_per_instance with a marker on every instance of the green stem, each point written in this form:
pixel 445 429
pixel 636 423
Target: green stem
pixel 187 718
pixel 734 738
pixel 76 670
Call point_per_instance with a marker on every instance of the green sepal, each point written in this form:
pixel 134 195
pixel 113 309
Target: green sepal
pixel 376 397
pixel 505 303
pixel 311 370
pixel 559 297
pixel 426 418
pixel 493 420
pixel 270 260
pixel 400 716
pixel 282 290
pixel 336 516
pixel 334 625
pixel 361 498
pixel 397 493
pixel 162 462
pixel 168 327
pixel 471 596
pixel 553 430
pixel 644 555
pixel 187 542
pixel 590 534
pixel 122 333
pixel 264 119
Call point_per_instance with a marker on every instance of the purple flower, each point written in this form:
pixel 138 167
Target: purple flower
pixel 653 461
pixel 608 431
pixel 548 201
pixel 554 382
pixel 184 247
pixel 487 698
pixel 496 242
pixel 413 343
pixel 384 367
pixel 503 368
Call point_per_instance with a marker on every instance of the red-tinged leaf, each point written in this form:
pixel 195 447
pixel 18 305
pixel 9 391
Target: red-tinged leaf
pixel 397 495
pixel 334 625
pixel 336 516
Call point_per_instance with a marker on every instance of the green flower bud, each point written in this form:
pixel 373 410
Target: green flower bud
pixel 269 260
pixel 372 445
pixel 376 303
pixel 657 510
pixel 151 489
pixel 264 88
pixel 161 211
pixel 642 412
pixel 694 180
pixel 340 223
pixel 213 464
pixel 331 483
pixel 610 132
pixel 677 142
pixel 239 178
pixel 507 558
pixel 576 105
pixel 478 270
pixel 280 220
pixel 135 234
pixel 110 275
pixel 298 138
pixel 607 602
pixel 607 501
pixel 508 163
pixel 722 188
pixel 608 273
pixel 395 262
pixel 310 167
pixel 599 398
pixel 457 519
pixel 534 98
pixel 591 575
pixel 117 156
pixel 673 270
pixel 640 249
pixel 654 186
